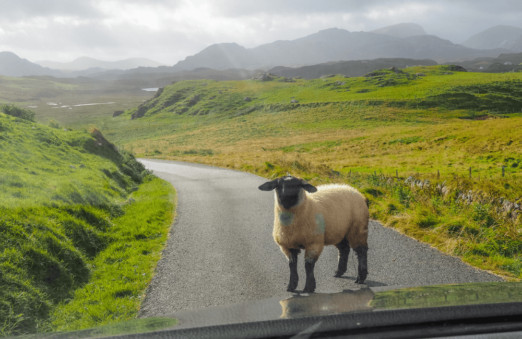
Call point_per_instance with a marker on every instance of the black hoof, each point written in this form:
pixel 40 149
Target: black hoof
pixel 291 288
pixel 338 274
pixel 360 280
pixel 309 288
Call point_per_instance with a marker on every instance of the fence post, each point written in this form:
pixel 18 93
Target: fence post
pixel 470 172
pixel 397 174
pixel 503 170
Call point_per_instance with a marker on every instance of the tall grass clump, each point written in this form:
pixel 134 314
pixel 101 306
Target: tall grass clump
pixel 479 226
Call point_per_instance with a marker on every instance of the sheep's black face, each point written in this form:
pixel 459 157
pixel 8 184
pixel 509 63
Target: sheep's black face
pixel 289 190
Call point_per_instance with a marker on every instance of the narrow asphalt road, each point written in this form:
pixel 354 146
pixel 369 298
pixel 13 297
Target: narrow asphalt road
pixel 221 250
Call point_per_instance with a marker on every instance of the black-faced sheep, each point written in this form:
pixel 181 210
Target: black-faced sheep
pixel 306 217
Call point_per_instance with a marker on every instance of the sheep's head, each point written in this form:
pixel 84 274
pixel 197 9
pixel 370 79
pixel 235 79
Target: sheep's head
pixel 289 190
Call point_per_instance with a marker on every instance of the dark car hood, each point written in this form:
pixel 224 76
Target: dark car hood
pixel 363 300
pixel 494 299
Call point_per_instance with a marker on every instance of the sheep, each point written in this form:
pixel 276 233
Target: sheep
pixel 308 217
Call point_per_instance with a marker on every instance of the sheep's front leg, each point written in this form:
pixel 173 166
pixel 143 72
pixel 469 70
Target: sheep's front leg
pixel 311 256
pixel 362 271
pixel 310 278
pixel 292 263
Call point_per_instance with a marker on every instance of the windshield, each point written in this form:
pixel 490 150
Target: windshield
pixel 177 164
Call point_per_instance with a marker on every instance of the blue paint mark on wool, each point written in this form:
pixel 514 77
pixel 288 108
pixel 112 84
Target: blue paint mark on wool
pixel 320 225
pixel 286 218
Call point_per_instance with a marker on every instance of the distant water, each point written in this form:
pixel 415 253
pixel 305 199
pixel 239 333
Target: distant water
pixel 95 103
pixel 60 105
pixel 151 89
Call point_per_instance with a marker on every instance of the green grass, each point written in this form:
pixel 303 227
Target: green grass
pixel 430 123
pixel 425 86
pixel 134 326
pixel 480 232
pixel 448 295
pixel 125 267
pixel 71 205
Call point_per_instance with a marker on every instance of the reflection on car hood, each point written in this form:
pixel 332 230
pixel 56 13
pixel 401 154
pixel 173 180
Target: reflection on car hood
pixel 363 300
pixel 302 306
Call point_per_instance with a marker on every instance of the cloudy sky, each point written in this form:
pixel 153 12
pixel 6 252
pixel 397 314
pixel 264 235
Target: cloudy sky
pixel 169 30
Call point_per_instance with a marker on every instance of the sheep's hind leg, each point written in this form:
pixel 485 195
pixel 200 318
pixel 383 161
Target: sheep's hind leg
pixel 362 256
pixel 292 263
pixel 344 251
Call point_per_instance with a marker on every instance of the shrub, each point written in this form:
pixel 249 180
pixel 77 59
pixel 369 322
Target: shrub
pixel 18 112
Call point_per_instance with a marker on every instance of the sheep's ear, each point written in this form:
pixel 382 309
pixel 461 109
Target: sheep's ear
pixel 268 186
pixel 308 187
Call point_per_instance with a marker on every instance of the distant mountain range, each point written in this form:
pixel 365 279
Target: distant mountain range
pixel 12 65
pixel 332 46
pixel 506 37
pixel 85 63
pixel 403 30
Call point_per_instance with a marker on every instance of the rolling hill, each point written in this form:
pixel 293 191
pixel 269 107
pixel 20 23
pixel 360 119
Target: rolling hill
pixel 347 68
pixel 506 62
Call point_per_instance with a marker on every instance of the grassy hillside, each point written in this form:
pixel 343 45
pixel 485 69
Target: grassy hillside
pixel 417 120
pixel 437 150
pixel 81 228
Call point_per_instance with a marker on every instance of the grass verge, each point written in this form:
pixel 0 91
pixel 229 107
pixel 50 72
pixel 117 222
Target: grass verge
pixel 75 214
pixel 121 273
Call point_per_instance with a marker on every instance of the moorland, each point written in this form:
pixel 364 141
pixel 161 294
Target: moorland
pixel 435 149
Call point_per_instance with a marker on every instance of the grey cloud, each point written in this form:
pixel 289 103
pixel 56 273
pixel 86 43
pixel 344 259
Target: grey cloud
pixel 264 21
pixel 252 7
pixel 24 9
pixel 16 10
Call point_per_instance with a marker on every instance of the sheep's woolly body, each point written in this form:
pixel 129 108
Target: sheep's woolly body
pixel 308 217
pixel 322 218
